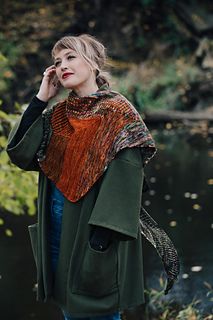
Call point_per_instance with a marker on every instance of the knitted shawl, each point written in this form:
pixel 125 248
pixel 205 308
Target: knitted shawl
pixel 87 133
pixel 82 135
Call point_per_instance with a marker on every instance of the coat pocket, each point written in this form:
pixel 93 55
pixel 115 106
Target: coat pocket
pixel 33 238
pixel 97 275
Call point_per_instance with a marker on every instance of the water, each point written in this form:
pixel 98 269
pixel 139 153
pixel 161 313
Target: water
pixel 179 200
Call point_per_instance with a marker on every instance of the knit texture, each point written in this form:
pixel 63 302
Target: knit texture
pixel 86 134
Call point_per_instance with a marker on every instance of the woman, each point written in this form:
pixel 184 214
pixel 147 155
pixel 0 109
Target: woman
pixel 90 150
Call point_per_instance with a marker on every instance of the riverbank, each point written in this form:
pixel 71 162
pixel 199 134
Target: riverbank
pixel 162 116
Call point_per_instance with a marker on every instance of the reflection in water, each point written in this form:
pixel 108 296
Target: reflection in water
pixel 179 199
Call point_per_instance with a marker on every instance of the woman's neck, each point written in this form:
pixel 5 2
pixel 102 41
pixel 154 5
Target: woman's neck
pixel 83 92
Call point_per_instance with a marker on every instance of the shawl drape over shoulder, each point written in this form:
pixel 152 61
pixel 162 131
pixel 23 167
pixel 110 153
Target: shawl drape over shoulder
pixel 82 135
pixel 87 133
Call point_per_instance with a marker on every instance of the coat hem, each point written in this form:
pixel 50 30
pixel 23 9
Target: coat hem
pixel 86 315
pixel 133 305
pixel 119 309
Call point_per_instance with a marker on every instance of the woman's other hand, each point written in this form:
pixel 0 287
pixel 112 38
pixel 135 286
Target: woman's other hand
pixel 49 86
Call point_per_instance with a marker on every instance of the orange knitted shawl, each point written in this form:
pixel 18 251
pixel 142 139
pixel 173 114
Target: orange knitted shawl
pixel 83 134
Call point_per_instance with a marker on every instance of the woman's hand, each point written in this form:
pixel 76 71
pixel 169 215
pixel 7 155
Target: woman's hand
pixel 49 86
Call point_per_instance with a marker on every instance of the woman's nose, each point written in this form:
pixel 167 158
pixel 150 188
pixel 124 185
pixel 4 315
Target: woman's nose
pixel 63 65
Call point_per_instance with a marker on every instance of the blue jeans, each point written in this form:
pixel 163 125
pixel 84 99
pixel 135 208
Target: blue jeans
pixel 114 316
pixel 57 203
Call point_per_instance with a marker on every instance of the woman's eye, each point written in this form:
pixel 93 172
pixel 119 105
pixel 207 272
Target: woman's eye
pixel 70 57
pixel 56 63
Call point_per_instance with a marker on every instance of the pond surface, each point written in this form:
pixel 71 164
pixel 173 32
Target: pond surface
pixel 180 200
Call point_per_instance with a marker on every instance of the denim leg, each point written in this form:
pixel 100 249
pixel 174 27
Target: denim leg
pixel 71 318
pixel 114 316
pixel 67 317
pixel 57 202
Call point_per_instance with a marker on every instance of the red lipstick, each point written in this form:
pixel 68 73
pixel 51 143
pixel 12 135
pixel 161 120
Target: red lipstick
pixel 66 74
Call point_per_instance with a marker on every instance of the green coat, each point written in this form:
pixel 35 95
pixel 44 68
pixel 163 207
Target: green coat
pixel 88 282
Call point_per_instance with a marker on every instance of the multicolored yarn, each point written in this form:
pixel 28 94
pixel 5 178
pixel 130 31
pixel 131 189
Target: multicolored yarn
pixel 86 134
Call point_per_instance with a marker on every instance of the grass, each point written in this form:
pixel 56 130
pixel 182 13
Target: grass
pixel 158 308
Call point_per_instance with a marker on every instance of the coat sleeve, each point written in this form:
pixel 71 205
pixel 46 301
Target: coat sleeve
pixel 23 152
pixel 119 199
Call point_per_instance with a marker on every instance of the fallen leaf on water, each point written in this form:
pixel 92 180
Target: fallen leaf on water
pixel 210 182
pixel 208 285
pixel 196 206
pixel 210 317
pixel 196 268
pixel 210 153
pixel 194 196
pixel 9 232
pixel 167 197
pixel 152 192
pixel 168 126
pixel 147 203
pixel 173 223
pixel 187 194
pixel 1 221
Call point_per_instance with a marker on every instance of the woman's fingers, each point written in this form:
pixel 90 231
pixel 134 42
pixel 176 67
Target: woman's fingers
pixel 50 67
pixel 48 87
pixel 49 70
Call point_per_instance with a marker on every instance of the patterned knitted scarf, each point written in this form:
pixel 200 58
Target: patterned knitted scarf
pixel 82 135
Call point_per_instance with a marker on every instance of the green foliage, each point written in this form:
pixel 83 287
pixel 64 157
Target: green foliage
pixel 9 54
pixel 10 49
pixel 26 38
pixel 165 90
pixel 158 307
pixel 151 30
pixel 18 189
pixel 6 73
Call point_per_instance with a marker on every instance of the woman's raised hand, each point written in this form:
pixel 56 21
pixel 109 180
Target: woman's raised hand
pixel 49 86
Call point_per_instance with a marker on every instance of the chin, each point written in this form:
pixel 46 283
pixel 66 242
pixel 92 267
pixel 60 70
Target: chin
pixel 68 86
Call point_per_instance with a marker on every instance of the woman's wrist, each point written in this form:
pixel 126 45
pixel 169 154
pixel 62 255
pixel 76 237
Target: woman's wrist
pixel 36 102
pixel 41 97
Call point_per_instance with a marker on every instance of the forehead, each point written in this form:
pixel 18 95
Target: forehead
pixel 63 52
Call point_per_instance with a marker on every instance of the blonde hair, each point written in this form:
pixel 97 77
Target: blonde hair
pixel 91 50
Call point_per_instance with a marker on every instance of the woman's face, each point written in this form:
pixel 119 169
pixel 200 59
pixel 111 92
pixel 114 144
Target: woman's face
pixel 72 70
